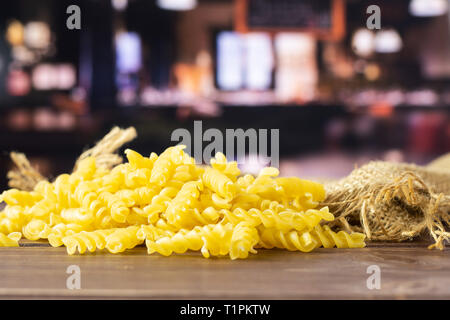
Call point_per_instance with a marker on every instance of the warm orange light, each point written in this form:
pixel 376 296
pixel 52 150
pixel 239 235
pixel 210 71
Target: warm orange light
pixel 372 72
pixel 381 109
pixel 14 33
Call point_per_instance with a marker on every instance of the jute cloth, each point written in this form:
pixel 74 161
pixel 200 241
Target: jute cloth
pixel 394 201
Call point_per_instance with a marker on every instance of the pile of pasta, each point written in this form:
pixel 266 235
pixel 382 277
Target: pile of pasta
pixel 173 205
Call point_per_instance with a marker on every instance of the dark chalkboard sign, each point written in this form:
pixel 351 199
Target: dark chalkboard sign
pixel 324 18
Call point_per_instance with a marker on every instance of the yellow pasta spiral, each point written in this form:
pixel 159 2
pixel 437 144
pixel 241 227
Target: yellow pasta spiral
pixel 166 164
pixel 114 180
pixel 174 206
pixel 85 169
pixel 211 240
pixel 294 187
pixel 83 240
pixel 230 169
pixel 61 230
pixel 159 203
pixel 182 210
pixel 36 229
pixel 79 216
pixel 136 160
pixel 243 241
pixel 16 197
pixel 219 183
pixel 290 240
pixel 153 233
pixel 122 239
pixel 341 239
pixel 280 218
pixel 10 240
pixel 12 218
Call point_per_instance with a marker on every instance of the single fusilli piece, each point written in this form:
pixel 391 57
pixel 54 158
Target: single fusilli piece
pixel 22 198
pixel 153 233
pixel 307 241
pixel 36 229
pixel 85 240
pixel 165 165
pixel 12 218
pixel 219 183
pixel 290 240
pixel 243 241
pixel 10 240
pixel 61 230
pixel 182 211
pixel 274 215
pixel 137 161
pixel 230 169
pixel 122 239
pixel 212 240
pixel 341 239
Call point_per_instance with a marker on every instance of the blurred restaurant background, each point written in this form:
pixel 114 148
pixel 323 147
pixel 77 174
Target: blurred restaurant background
pixel 340 93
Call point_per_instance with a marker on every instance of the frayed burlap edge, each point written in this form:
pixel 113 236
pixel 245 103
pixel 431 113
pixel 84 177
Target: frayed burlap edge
pixel 105 151
pixel 25 177
pixel 394 202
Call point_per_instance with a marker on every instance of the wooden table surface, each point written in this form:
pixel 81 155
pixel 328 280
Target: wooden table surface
pixel 407 271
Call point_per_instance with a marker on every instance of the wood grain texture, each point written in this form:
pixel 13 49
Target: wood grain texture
pixel 407 271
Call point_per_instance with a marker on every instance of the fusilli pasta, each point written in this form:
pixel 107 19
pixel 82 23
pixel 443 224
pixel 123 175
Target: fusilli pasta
pixel 173 205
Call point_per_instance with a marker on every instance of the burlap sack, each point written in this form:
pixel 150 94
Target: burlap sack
pixel 394 201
